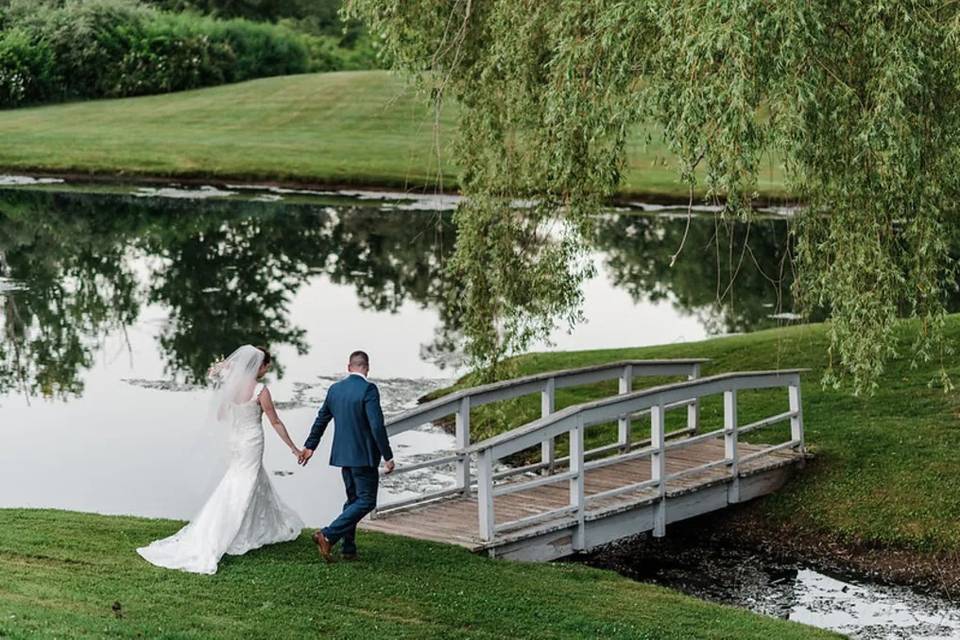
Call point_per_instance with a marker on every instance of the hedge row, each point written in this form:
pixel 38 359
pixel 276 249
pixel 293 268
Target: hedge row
pixel 111 48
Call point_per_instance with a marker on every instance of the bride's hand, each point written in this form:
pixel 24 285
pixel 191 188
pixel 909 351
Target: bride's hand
pixel 296 452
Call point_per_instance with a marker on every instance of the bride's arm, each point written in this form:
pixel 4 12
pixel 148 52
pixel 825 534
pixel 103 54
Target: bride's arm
pixel 266 401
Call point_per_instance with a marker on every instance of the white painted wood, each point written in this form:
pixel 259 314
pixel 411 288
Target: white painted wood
pixel 548 448
pixel 698 469
pixel 697 503
pixel 623 424
pixel 485 495
pixel 658 468
pixel 577 497
pixel 779 447
pixel 417 500
pixel 764 483
pixel 730 443
pixel 433 462
pixel 463 441
pixel 516 487
pixel 623 457
pixel 796 421
pixel 611 408
pixel 537 518
pixel 507 389
pixel 544 548
pixel 688 442
pixel 693 409
pixel 766 422
pixel 636 486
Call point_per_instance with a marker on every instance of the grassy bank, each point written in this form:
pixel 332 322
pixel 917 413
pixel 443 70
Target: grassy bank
pixel 63 572
pixel 360 128
pixel 886 473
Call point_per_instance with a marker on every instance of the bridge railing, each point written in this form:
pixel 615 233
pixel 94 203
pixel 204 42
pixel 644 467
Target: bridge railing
pixel 655 401
pixel 460 403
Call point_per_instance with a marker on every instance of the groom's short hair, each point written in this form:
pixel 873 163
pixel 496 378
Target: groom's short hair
pixel 360 359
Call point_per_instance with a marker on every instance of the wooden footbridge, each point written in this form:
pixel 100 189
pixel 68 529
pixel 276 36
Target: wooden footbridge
pixel 559 506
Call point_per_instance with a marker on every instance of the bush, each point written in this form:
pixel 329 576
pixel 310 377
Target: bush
pixel 111 48
pixel 26 69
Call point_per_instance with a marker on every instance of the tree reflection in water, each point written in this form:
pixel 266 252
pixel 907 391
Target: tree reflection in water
pixel 225 273
pixel 734 276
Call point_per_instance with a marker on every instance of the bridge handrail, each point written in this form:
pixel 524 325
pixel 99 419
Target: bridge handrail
pixel 575 419
pixel 459 403
pixel 612 407
pixel 526 385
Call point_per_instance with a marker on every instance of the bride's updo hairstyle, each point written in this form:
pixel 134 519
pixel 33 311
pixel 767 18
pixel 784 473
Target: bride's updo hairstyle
pixel 267 358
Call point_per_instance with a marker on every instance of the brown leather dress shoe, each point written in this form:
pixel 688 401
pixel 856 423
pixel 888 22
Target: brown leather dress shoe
pixel 324 547
pixel 349 557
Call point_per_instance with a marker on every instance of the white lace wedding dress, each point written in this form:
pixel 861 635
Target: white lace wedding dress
pixel 243 513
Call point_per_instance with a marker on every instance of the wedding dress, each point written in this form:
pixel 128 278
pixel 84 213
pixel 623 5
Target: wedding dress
pixel 243 513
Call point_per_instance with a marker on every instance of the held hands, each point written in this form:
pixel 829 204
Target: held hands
pixel 389 466
pixel 304 457
pixel 296 452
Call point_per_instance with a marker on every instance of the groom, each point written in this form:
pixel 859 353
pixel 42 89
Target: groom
pixel 359 441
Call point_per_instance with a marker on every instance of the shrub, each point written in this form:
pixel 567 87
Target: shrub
pixel 112 48
pixel 26 69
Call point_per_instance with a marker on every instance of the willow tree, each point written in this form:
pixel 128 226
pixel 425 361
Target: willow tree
pixel 858 99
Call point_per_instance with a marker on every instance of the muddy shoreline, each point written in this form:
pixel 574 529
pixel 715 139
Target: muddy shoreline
pixel 198 179
pixel 744 532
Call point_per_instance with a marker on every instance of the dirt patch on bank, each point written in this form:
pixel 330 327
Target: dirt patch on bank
pixel 744 531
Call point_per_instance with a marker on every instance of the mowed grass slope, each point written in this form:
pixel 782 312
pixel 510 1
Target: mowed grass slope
pixel 63 572
pixel 887 467
pixel 361 128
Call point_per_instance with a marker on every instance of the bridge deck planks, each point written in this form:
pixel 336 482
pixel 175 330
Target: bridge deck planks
pixel 455 520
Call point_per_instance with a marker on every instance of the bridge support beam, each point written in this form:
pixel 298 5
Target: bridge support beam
pixel 623 424
pixel 487 526
pixel 658 468
pixel 577 492
pixel 693 410
pixel 731 453
pixel 463 441
pixel 548 448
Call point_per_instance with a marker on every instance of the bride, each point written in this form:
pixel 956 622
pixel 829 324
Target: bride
pixel 244 512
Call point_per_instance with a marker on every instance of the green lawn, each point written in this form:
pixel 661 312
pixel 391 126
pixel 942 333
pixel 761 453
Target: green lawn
pixel 887 468
pixel 63 571
pixel 362 128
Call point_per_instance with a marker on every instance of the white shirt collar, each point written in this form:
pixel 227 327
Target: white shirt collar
pixel 356 373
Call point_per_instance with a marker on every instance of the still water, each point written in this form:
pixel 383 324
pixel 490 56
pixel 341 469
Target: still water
pixel 115 304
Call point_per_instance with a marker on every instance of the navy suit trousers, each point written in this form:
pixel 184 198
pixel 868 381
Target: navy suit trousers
pixel 361 484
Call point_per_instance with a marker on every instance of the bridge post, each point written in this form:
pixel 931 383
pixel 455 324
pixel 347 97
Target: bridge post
pixel 623 424
pixel 731 453
pixel 548 448
pixel 693 410
pixel 462 442
pixel 658 468
pixel 485 495
pixel 577 498
pixel 796 408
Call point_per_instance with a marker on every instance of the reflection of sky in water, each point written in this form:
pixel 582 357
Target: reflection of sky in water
pixel 871 612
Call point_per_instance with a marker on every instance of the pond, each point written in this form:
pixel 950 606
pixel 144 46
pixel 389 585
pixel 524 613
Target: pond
pixel 696 560
pixel 116 300
pixel 114 304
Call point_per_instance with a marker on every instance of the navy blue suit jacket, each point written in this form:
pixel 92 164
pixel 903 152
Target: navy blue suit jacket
pixel 359 436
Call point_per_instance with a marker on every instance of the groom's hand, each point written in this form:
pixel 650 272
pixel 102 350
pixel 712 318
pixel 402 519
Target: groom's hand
pixel 304 457
pixel 389 466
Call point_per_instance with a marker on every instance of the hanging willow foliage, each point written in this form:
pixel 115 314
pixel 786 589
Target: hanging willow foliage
pixel 858 100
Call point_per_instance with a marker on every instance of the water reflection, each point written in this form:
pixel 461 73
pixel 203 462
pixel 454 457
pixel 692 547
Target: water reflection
pixel 114 305
pixel 735 277
pixel 226 274
pixel 78 267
